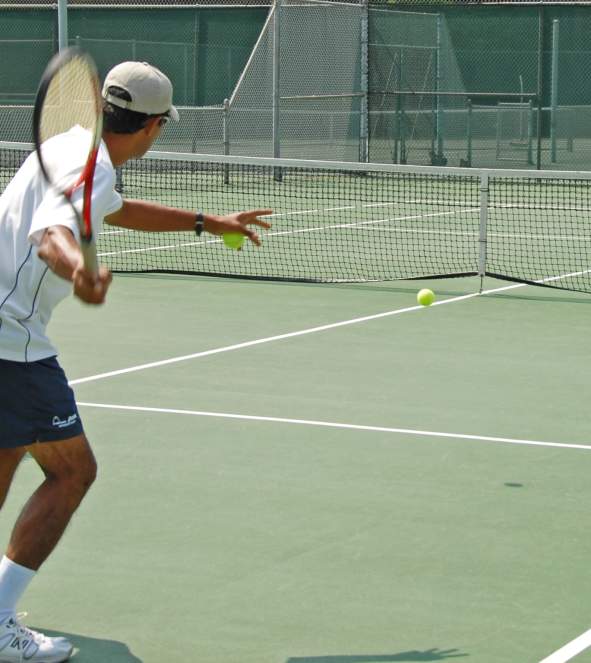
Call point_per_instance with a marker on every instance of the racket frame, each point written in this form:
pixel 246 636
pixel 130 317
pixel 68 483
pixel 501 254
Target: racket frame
pixel 86 178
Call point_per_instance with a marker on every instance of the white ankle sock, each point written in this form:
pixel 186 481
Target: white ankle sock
pixel 14 580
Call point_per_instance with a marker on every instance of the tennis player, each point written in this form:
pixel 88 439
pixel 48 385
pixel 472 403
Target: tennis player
pixel 40 264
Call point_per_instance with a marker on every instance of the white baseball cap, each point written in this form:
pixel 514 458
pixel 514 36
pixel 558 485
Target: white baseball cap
pixel 150 90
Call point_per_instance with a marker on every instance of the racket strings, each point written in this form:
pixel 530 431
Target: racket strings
pixel 72 100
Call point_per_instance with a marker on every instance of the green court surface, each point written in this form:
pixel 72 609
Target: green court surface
pixel 409 487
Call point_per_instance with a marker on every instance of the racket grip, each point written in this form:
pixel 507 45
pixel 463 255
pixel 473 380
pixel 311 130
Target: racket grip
pixel 88 248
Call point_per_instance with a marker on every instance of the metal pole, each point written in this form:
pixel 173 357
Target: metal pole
pixel 276 85
pixel 530 132
pixel 226 132
pixel 400 140
pixel 438 86
pixel 397 128
pixel 196 26
pixel 402 130
pixel 521 114
pixel 188 100
pixel 226 127
pixel 469 133
pixel 364 109
pixel 62 24
pixel 554 93
pixel 540 86
pixel 276 77
pixel 483 227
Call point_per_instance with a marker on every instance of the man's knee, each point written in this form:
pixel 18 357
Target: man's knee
pixel 70 463
pixel 79 477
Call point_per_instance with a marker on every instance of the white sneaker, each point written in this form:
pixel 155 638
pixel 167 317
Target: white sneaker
pixel 19 644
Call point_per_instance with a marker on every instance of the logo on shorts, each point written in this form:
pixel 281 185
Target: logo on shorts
pixel 64 423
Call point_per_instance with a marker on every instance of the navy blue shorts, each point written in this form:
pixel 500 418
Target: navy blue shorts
pixel 36 404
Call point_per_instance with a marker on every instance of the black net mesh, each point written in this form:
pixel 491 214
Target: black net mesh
pixel 357 222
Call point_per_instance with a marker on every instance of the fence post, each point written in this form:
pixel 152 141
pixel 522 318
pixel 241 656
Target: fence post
pixel 554 94
pixel 226 137
pixel 62 24
pixel 438 85
pixel 364 112
pixel 468 132
pixel 540 85
pixel 276 78
pixel 277 175
pixel 530 132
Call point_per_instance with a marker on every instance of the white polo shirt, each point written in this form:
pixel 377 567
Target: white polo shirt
pixel 29 290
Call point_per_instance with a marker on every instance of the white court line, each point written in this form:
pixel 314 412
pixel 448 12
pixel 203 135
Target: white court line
pixel 395 229
pixel 570 650
pixel 298 231
pixel 312 330
pixel 343 426
pixel 280 337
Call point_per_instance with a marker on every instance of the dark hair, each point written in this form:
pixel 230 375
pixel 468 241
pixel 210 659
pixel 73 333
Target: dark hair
pixel 122 120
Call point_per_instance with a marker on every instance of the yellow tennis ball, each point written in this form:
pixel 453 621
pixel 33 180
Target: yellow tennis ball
pixel 233 240
pixel 425 297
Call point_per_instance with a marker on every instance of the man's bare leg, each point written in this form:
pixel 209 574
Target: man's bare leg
pixel 70 469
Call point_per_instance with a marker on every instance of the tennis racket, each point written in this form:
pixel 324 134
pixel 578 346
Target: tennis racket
pixel 69 96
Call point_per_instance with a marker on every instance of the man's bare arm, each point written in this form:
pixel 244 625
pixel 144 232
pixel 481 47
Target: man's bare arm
pixel 153 217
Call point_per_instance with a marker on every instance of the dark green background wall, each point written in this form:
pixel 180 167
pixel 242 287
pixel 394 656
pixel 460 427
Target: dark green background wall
pixel 204 50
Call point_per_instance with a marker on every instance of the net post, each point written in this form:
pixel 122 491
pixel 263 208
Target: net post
pixel 554 89
pixel 482 238
pixel 62 24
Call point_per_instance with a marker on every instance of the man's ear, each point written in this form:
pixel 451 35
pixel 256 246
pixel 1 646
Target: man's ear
pixel 152 125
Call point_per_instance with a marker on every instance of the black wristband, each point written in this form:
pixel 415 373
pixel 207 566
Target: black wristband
pixel 199 221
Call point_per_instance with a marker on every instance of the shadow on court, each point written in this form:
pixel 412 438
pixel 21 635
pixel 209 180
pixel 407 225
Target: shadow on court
pixel 434 654
pixel 95 650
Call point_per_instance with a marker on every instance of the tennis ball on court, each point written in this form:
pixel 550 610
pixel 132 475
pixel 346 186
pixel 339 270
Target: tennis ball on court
pixel 425 297
pixel 233 240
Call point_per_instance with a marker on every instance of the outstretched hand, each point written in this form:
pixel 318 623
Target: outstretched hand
pixel 238 222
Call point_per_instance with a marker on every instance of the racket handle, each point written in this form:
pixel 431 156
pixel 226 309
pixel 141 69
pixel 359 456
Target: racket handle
pixel 88 248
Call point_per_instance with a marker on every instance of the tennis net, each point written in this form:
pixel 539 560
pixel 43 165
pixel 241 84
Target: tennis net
pixel 339 222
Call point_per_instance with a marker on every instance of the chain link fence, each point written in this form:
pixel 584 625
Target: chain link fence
pixel 492 84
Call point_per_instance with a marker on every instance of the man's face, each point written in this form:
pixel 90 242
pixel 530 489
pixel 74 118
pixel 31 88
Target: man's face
pixel 148 135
